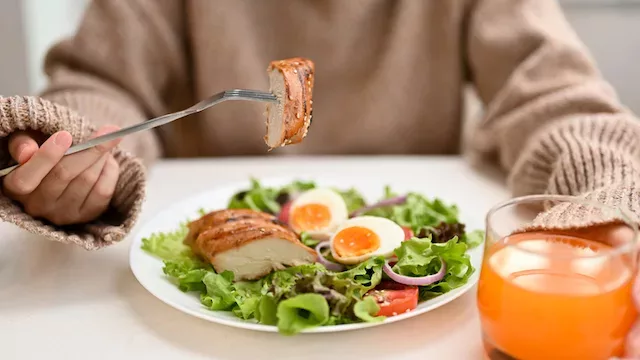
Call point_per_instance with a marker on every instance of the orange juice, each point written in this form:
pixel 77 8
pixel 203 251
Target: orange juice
pixel 544 296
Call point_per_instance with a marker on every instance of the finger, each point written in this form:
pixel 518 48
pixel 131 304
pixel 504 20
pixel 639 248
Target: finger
pixel 66 209
pixel 25 179
pixel 102 192
pixel 22 145
pixel 632 345
pixel 57 181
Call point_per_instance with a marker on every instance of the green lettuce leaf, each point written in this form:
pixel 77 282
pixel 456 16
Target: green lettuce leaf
pixel 473 239
pixel 247 295
pixel 257 198
pixel 416 258
pixel 302 312
pixel 266 312
pixel 282 283
pixel 420 257
pixel 339 293
pixel 246 308
pixel 366 310
pixel 220 291
pixel 180 264
pixel 188 274
pixel 168 245
pixel 297 187
pixel 367 274
pixel 417 212
pixel 306 239
pixel 352 198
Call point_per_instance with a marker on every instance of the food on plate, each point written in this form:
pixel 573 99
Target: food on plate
pixel 248 243
pixel 318 212
pixel 288 120
pixel 215 218
pixel 394 298
pixel 302 256
pixel 362 237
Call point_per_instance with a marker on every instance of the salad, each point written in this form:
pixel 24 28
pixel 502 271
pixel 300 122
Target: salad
pixel 346 261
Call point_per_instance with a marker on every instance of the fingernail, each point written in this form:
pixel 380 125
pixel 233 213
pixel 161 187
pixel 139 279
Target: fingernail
pixel 62 139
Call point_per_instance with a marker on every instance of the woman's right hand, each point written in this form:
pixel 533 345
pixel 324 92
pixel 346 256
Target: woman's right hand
pixel 64 190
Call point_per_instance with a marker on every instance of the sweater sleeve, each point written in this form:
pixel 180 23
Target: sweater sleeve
pixel 126 59
pixel 551 119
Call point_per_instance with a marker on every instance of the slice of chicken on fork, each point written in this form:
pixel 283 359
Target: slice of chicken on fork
pixel 289 118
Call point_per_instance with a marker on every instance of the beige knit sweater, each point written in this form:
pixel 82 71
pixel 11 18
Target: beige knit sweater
pixel 390 75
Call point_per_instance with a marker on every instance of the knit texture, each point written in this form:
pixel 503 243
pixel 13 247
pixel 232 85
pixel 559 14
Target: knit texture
pixel 390 74
pixel 26 113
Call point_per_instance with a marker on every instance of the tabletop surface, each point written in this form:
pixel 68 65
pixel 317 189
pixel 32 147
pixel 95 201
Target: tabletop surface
pixel 62 302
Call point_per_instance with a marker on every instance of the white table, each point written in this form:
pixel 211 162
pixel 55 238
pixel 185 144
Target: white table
pixel 61 302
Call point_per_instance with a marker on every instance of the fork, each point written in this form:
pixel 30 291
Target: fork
pixel 236 94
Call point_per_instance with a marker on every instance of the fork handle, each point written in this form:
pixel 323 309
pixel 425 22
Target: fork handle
pixel 159 121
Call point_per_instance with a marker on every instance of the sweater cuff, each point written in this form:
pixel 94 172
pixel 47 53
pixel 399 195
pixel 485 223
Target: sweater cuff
pixel 595 158
pixel 622 204
pixel 30 113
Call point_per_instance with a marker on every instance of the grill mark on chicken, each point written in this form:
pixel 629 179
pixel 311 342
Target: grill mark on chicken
pixel 218 217
pixel 231 228
pixel 210 245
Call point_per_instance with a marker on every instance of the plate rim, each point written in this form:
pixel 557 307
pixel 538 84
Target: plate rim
pixel 136 243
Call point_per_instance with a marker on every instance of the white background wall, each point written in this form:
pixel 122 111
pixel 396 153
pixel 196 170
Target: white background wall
pixel 47 21
pixel 611 29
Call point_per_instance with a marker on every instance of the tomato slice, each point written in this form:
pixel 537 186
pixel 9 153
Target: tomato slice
pixel 408 233
pixel 283 216
pixel 394 298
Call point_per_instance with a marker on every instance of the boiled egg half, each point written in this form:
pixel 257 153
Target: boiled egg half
pixel 318 212
pixel 362 237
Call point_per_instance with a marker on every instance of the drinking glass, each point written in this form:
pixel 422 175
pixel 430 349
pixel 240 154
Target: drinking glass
pixel 564 293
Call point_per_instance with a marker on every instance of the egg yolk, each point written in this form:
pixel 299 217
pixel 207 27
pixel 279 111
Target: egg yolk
pixel 355 241
pixel 310 217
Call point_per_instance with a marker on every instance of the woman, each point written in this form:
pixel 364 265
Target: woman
pixel 390 76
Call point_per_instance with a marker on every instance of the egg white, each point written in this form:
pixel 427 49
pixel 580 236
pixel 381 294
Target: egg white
pixel 390 234
pixel 329 198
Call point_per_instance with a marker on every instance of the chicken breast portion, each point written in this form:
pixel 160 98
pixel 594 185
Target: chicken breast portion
pixel 288 120
pixel 247 243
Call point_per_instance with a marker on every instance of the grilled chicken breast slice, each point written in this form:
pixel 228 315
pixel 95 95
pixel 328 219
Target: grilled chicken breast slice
pixel 248 244
pixel 288 120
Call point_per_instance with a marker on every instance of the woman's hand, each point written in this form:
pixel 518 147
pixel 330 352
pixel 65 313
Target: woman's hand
pixel 64 190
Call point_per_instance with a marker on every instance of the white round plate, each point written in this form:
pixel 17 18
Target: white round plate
pixel 148 269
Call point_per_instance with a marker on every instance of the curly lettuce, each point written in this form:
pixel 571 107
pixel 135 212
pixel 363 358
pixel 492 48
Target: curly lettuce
pixel 420 257
pixel 168 245
pixel 417 212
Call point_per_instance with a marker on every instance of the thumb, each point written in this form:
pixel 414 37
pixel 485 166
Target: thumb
pixel 22 146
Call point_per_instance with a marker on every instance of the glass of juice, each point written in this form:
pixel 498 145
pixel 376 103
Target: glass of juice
pixel 559 292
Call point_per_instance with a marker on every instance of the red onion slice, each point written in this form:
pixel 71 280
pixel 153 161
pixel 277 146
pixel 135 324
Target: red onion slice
pixel 398 200
pixel 330 265
pixel 415 281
